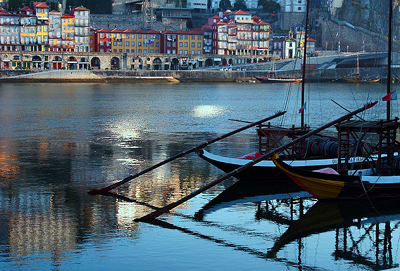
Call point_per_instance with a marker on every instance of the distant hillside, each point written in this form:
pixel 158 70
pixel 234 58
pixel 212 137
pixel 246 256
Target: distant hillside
pixel 369 14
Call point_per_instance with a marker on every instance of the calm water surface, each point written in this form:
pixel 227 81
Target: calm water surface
pixel 59 141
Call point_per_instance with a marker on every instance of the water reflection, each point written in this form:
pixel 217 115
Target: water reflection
pixel 59 141
pixel 362 233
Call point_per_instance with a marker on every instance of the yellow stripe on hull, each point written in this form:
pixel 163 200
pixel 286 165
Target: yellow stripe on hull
pixel 320 188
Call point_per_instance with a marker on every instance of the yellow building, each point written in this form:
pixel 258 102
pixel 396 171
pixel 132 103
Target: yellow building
pixel 28 33
pixel 138 42
pixel 42 13
pixel 67 32
pixel 190 42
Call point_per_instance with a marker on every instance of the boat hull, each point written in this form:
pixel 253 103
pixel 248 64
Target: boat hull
pixel 278 80
pixel 340 187
pixel 350 80
pixel 264 170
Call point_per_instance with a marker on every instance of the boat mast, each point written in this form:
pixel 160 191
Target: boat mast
pixel 304 63
pixel 358 67
pixel 389 77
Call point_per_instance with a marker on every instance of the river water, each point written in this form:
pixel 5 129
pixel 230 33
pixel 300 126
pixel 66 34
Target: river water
pixel 59 141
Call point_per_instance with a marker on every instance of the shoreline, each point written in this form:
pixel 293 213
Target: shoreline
pixel 184 76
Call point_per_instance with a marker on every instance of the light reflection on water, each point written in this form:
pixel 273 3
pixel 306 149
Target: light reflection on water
pixel 59 141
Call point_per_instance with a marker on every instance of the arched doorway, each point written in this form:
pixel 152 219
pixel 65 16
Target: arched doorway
pixel 83 63
pixel 95 63
pixel 157 64
pixel 72 63
pixel 174 64
pixel 36 62
pixel 115 63
pixel 57 62
pixel 209 62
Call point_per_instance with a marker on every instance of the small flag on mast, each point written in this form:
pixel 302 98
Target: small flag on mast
pixel 391 96
pixel 302 108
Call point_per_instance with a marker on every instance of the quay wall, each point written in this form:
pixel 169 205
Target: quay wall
pixel 181 76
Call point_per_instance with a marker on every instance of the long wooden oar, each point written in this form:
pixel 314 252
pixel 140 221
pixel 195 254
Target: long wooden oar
pixel 127 179
pixel 165 209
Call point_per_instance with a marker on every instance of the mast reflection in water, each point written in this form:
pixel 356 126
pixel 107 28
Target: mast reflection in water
pixel 59 141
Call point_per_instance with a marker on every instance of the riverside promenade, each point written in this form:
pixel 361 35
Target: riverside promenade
pixel 320 75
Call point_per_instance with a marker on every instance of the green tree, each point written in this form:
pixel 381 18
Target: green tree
pixel 15 4
pixel 53 6
pixel 225 5
pixel 95 6
pixel 270 5
pixel 240 4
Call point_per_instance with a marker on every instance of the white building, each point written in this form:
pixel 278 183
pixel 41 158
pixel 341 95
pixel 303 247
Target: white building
pixel 251 4
pixel 293 5
pixel 335 5
pixel 197 4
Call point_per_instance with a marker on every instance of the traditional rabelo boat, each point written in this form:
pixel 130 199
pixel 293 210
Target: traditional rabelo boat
pixel 355 77
pixel 272 79
pixel 381 180
pixel 309 154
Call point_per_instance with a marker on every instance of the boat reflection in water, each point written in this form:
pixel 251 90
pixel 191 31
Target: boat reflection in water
pixel 354 222
pixel 253 190
pixel 363 230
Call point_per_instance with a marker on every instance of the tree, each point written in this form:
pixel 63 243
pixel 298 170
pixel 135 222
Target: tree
pixel 225 5
pixel 240 4
pixel 270 5
pixel 15 4
pixel 95 6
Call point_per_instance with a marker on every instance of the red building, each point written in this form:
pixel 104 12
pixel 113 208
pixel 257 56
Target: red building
pixel 168 42
pixel 103 39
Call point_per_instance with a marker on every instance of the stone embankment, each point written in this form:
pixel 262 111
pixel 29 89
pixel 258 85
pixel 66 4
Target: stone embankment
pixel 324 75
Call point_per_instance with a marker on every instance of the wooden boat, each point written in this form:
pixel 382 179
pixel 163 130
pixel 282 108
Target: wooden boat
pixel 342 187
pixel 278 80
pixel 382 180
pixel 270 137
pixel 355 78
pixel 266 169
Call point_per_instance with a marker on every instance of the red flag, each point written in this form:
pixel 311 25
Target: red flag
pixel 302 108
pixel 390 96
